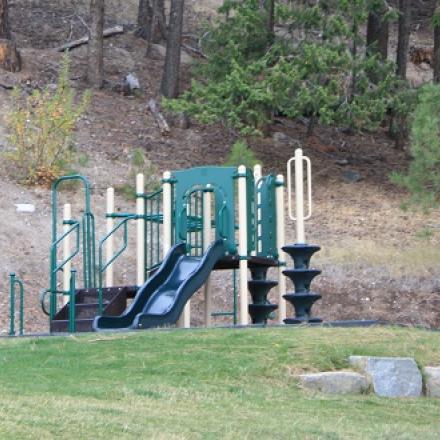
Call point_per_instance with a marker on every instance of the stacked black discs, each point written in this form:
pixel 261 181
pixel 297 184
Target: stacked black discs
pixel 302 276
pixel 259 287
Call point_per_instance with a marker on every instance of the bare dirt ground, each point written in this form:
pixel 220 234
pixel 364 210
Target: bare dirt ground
pixel 378 261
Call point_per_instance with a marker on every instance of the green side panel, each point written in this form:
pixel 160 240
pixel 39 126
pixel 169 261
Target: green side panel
pixel 189 217
pixel 266 221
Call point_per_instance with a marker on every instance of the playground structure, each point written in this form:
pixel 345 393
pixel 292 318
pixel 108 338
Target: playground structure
pixel 201 219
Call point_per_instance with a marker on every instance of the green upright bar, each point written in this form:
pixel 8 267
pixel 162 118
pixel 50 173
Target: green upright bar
pixel 72 304
pixel 12 305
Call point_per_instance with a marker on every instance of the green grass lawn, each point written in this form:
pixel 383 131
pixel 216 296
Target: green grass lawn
pixel 217 384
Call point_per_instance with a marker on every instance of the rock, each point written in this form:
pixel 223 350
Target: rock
pixel 118 60
pixel 157 52
pixel 335 382
pixel 131 85
pixel 341 162
pixel 25 207
pixel 185 58
pixel 280 138
pixel 390 377
pixel 351 176
pixel 432 381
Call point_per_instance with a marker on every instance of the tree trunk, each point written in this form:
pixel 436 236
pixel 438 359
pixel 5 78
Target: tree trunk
pixel 171 72
pixel 95 71
pixel 10 59
pixel 151 21
pixel 144 19
pixel 436 21
pixel 4 22
pixel 377 34
pixel 267 7
pixel 403 38
pixel 158 22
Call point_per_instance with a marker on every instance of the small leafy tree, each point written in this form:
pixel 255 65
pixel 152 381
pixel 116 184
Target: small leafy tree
pixel 41 128
pixel 423 177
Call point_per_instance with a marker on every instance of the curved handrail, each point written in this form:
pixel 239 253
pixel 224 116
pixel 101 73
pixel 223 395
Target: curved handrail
pixel 104 266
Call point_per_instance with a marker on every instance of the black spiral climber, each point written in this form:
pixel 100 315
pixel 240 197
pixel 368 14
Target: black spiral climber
pixel 302 299
pixel 259 287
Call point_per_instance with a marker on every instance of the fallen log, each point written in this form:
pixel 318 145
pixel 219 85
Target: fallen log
pixel 160 119
pixel 110 32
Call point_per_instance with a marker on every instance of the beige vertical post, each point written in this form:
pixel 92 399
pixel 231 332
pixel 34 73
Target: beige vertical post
pixel 206 242
pixel 167 213
pixel 110 209
pixel 140 226
pixel 281 238
pixel 242 244
pixel 258 173
pixel 67 215
pixel 299 159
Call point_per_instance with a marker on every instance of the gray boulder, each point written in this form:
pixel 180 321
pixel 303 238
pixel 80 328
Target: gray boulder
pixel 390 377
pixel 432 381
pixel 335 382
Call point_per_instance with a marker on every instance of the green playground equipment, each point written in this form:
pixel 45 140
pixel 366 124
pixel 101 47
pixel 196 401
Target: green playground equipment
pixel 195 206
pixel 14 281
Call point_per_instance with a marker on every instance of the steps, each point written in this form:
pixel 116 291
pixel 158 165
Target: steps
pixel 87 307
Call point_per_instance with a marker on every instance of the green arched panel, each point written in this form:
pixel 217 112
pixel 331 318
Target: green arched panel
pixel 221 181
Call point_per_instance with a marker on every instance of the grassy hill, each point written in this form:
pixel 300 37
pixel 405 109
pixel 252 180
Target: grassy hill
pixel 206 384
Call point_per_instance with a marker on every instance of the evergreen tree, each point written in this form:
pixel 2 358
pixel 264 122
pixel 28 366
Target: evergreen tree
pixel 423 178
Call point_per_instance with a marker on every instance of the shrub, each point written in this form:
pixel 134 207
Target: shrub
pixel 41 128
pixel 423 178
pixel 241 154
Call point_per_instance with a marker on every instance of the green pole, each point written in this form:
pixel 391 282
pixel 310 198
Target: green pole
pixel 235 295
pixel 12 305
pixel 21 315
pixel 72 304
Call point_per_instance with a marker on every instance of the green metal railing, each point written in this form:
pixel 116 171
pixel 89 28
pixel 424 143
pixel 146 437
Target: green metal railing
pixel 153 230
pixel 104 265
pixel 13 283
pixel 194 219
pixel 85 234
pixel 55 268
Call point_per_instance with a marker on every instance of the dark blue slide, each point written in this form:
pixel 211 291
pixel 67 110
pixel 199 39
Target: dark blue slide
pixel 160 301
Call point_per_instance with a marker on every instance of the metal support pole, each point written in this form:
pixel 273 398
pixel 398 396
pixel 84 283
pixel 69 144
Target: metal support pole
pixel 242 244
pixel 72 302
pixel 206 242
pixel 12 305
pixel 140 245
pixel 281 241
pixel 110 209
pixel 67 216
